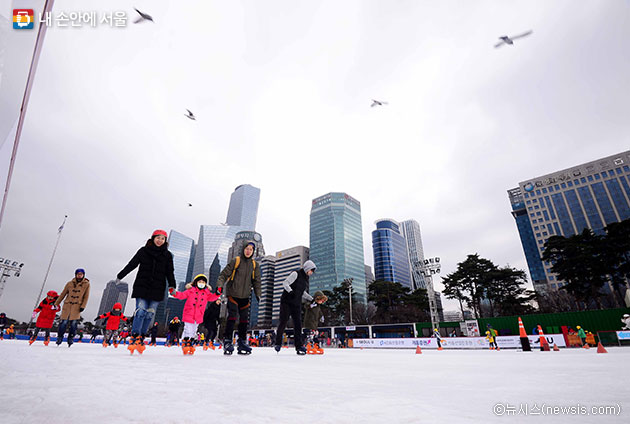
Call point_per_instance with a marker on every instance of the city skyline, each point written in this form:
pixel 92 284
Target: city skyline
pixel 282 100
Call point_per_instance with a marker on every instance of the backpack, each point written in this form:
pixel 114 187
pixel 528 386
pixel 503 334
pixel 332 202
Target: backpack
pixel 238 262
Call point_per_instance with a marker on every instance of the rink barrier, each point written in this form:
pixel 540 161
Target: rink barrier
pixel 504 342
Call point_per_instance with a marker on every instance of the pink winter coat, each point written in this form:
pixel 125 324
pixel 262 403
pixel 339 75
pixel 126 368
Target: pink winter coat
pixel 196 301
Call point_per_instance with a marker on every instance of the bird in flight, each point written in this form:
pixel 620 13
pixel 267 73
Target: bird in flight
pixel 377 103
pixel 190 205
pixel 510 40
pixel 190 115
pixel 143 17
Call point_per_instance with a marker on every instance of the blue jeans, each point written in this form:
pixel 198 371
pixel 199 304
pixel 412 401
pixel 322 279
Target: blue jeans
pixel 143 317
pixel 62 329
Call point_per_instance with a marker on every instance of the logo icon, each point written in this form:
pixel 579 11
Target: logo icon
pixel 23 19
pixel 529 187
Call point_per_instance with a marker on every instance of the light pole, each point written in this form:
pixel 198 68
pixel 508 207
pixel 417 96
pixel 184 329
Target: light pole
pixel 7 266
pixel 431 266
pixel 348 281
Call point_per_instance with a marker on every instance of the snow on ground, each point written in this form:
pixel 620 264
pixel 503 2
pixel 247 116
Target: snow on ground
pixel 89 384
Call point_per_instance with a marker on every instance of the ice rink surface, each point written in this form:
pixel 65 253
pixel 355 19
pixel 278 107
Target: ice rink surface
pixel 90 384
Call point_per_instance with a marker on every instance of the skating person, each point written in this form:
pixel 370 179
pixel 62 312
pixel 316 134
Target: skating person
pixel 155 264
pixel 3 324
pixel 122 338
pixel 95 333
pixel 47 311
pixel 491 336
pixel 238 277
pixel 113 324
pixel 153 333
pixel 211 321
pixel 173 329
pixel 582 335
pixel 313 317
pixel 293 294
pixel 76 294
pixel 11 331
pixel 438 338
pixel 197 296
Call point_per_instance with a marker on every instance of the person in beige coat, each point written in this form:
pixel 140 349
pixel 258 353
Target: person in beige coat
pixel 76 294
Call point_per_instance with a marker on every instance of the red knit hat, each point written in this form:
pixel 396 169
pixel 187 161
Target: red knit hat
pixel 159 233
pixel 117 305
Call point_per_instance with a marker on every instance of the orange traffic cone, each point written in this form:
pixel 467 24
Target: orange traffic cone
pixel 601 348
pixel 556 348
pixel 544 346
pixel 418 350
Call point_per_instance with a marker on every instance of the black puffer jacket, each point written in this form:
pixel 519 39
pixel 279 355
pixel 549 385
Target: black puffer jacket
pixel 298 287
pixel 156 267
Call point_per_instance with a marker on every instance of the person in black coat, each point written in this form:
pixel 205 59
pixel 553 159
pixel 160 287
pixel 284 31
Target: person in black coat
pixel 155 269
pixel 293 295
pixel 210 320
pixel 153 333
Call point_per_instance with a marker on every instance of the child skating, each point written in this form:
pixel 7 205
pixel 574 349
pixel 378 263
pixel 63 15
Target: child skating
pixel 197 296
pixel 47 311
pixel 491 336
pixel 113 324
pixel 313 317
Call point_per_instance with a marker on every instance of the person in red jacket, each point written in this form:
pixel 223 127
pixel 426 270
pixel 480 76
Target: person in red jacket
pixel 197 296
pixel 113 323
pixel 47 311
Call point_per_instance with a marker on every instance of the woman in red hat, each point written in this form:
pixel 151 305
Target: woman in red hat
pixel 47 311
pixel 155 269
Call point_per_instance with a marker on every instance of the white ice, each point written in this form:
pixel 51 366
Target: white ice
pixel 91 384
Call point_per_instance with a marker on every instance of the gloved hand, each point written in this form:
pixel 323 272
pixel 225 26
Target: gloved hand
pixel 219 290
pixel 81 309
pixel 34 314
pixel 171 291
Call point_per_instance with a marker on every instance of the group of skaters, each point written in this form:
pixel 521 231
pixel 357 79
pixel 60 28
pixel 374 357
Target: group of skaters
pixel 155 274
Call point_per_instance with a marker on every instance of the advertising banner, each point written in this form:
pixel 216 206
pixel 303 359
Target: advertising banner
pixel 508 342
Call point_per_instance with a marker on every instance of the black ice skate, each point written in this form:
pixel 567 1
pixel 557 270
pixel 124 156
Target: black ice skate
pixel 300 350
pixel 243 349
pixel 228 347
pixel 277 348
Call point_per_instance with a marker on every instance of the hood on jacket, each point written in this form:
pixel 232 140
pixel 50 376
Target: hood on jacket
pixel 319 295
pixel 247 243
pixel 309 265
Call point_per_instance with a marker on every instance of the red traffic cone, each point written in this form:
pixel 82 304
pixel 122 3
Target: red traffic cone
pixel 556 348
pixel 601 348
pixel 418 350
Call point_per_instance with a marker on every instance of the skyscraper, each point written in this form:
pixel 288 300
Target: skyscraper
pixel 411 231
pixel 267 280
pixel 287 261
pixel 113 292
pixel 243 210
pixel 591 195
pixel 369 276
pixel 391 259
pixel 182 248
pixel 336 243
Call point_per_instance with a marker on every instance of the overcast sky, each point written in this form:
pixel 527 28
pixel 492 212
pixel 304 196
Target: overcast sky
pixel 282 92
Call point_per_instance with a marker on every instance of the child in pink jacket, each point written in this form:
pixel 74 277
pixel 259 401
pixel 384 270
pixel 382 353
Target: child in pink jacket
pixel 197 296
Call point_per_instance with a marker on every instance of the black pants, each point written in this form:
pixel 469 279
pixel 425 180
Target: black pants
pixel 37 330
pixel 295 311
pixel 237 308
pixel 210 322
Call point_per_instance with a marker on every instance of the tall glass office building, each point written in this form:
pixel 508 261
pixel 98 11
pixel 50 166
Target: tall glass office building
pixel 211 254
pixel 336 243
pixel 391 259
pixel 411 231
pixel 182 248
pixel 113 293
pixel 591 195
pixel 243 210
pixel 267 278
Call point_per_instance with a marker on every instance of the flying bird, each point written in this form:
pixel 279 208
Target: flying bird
pixel 190 115
pixel 377 103
pixel 510 40
pixel 143 17
pixel 190 205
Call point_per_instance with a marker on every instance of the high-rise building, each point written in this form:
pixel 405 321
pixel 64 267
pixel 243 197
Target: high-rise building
pixel 391 259
pixel 182 248
pixel 564 203
pixel 267 281
pixel 243 237
pixel 336 243
pixel 411 231
pixel 114 292
pixel 438 304
pixel 243 210
pixel 287 261
pixel 211 253
pixel 369 277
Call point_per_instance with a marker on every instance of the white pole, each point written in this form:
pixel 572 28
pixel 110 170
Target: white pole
pixel 27 94
pixel 49 265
